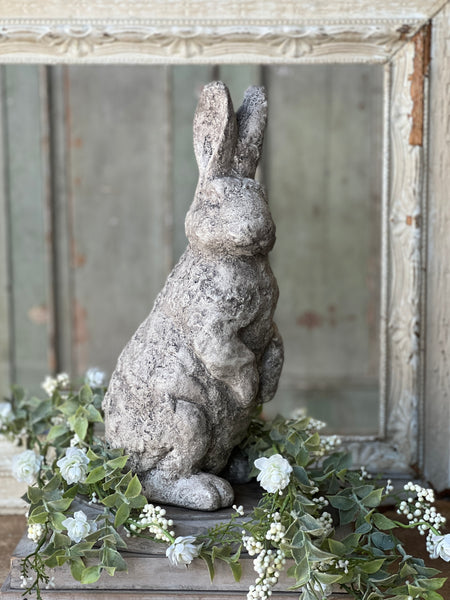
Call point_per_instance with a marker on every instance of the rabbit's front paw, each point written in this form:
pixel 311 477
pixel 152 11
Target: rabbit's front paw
pixel 201 491
pixel 245 386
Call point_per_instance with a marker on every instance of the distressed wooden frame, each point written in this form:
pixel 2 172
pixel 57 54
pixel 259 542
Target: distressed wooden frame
pixel 396 34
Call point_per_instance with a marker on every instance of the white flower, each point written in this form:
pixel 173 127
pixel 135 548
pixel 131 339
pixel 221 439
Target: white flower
pixel 274 472
pixel 73 465
pixel 26 466
pixel 62 379
pixel 6 413
pixel 441 546
pixel 78 526
pixel 95 377
pixel 49 385
pixel 182 551
pixel 35 532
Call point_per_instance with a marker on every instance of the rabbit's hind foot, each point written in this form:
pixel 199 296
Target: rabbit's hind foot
pixel 200 491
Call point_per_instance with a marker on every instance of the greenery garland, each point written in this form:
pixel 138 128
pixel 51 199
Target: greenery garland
pixel 310 490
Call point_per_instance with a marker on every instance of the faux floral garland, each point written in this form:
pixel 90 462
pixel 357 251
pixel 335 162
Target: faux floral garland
pixel 309 490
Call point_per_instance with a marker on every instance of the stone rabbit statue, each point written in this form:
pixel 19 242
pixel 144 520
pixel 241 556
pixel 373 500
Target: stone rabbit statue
pixel 188 382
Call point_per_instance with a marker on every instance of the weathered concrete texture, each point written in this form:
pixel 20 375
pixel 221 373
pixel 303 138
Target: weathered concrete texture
pixel 187 383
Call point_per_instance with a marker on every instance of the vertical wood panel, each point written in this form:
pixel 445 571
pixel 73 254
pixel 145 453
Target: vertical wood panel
pixel 24 305
pixel 5 339
pixel 117 152
pixel 238 78
pixel 437 377
pixel 61 223
pixel 27 151
pixel 324 161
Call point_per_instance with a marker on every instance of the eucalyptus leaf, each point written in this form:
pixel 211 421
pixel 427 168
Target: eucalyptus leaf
pixel 432 584
pixel 407 570
pixel 71 492
pixel 92 455
pixel 298 541
pixel 90 574
pixel 77 568
pixel 93 414
pixel 342 502
pixel 86 395
pixel 138 502
pixel 69 407
pixel 364 528
pixel 347 516
pixel 372 566
pixel 302 574
pixel 80 427
pixel 373 499
pixel 112 558
pixel 383 541
pixel 53 560
pixel 301 474
pixel 38 515
pixel 209 563
pixel 122 515
pixel 134 488
pixel 434 596
pixel 34 494
pixel 57 431
pixel 111 499
pixel 53 484
pixel 95 475
pixel 117 463
pixel 236 569
pixel 56 520
pixel 60 540
pixel 336 547
pixel 328 578
pixel 60 505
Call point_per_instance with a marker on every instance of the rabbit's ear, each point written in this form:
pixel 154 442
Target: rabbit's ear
pixel 251 118
pixel 215 131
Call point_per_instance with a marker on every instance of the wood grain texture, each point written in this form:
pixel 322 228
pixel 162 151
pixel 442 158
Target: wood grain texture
pixel 437 379
pixel 201 10
pixel 59 120
pixel 150 572
pixel 13 594
pixel 204 31
pixel 323 169
pixel 25 307
pixel 5 334
pixel 27 192
pixel 402 361
pixel 117 154
pixel 187 42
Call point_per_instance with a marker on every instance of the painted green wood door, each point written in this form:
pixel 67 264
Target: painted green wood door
pixel 98 174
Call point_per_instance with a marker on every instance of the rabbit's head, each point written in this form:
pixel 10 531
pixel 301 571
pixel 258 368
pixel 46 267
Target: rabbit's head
pixel 229 213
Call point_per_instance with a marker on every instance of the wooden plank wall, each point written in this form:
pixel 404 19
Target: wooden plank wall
pixel 25 294
pixel 437 375
pixel 324 187
pixel 98 174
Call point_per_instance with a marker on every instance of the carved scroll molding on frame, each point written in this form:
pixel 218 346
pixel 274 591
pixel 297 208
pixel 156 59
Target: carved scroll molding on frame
pixel 398 450
pixel 163 41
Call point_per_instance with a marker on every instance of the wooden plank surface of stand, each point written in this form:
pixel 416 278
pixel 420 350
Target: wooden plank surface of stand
pixel 150 574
